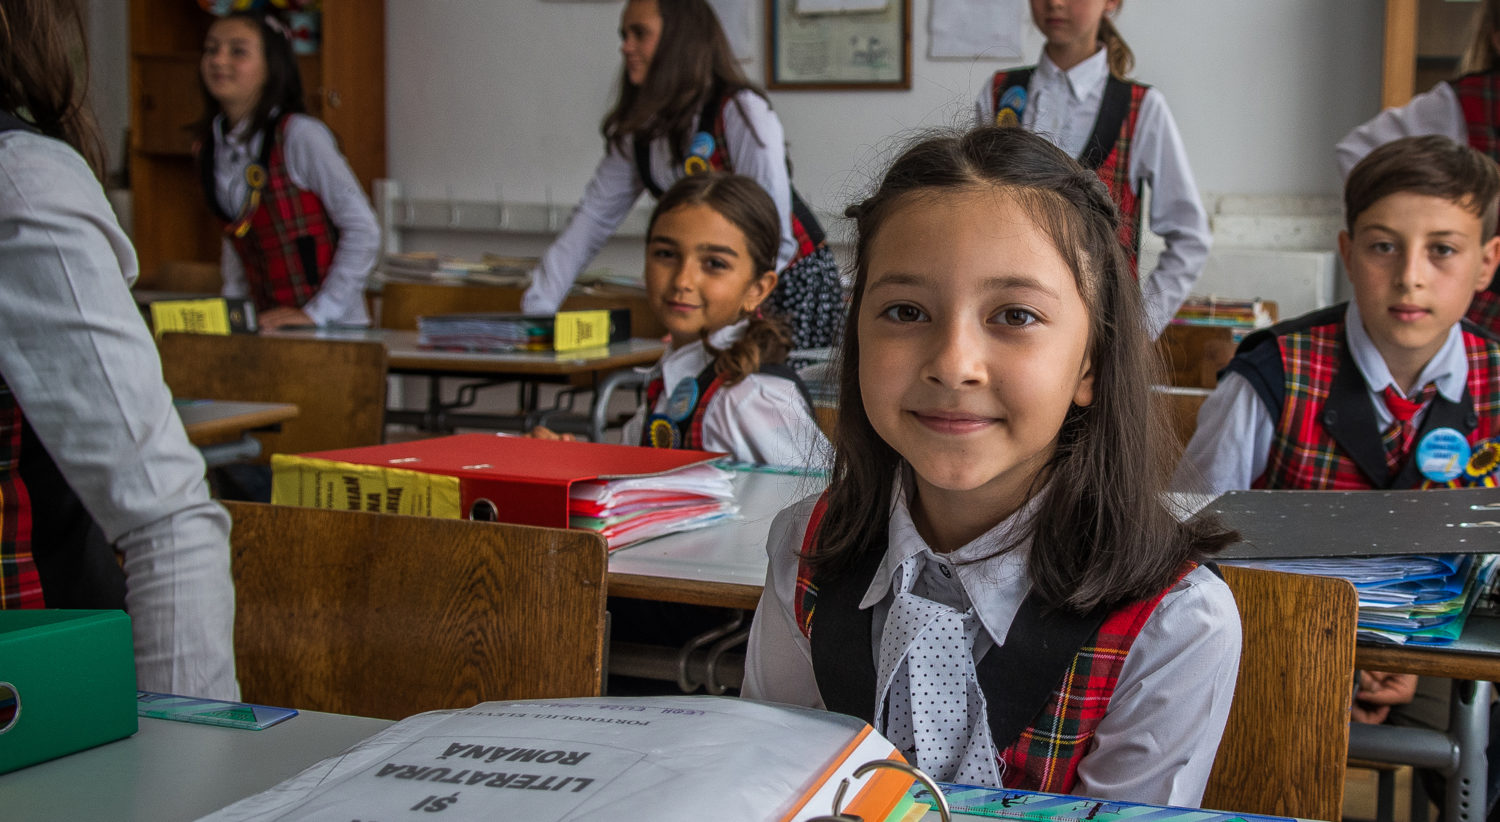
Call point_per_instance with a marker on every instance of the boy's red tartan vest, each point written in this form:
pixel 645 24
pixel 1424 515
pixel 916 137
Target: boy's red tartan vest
pixel 20 584
pixel 287 242
pixel 1046 755
pixel 1479 99
pixel 1326 437
pixel 1111 159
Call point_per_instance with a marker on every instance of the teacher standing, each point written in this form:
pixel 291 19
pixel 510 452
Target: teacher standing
pixel 685 107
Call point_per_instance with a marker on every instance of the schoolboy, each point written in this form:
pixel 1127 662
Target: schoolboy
pixel 1340 398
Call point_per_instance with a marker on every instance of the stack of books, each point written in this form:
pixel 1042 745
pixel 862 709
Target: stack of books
pixel 1222 311
pixel 502 331
pixel 625 493
pixel 428 267
pixel 1416 558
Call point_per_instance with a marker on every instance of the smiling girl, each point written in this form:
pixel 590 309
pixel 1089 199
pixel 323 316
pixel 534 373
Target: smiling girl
pixel 990 579
pixel 723 384
pixel 299 236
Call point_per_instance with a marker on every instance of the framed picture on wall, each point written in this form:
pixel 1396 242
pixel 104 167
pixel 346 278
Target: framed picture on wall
pixel 838 44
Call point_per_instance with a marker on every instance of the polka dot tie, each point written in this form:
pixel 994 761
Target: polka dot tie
pixel 930 705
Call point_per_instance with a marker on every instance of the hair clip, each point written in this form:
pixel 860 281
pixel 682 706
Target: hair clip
pixel 275 24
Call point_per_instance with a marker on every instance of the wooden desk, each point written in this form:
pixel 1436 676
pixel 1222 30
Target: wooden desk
pixel 176 770
pixel 405 356
pixel 221 429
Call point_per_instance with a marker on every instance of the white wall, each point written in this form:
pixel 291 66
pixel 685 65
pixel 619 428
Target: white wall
pixel 491 97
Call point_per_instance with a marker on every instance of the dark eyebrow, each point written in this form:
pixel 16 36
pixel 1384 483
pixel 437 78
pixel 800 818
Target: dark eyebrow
pixel 1005 282
pixel 717 249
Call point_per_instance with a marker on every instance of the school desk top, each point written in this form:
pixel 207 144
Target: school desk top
pixel 209 421
pixel 406 356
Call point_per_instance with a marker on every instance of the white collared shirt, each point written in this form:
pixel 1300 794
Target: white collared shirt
pixel 1063 107
pixel 85 371
pixel 1232 443
pixel 1435 111
pixel 1156 743
pixel 756 148
pixel 314 163
pixel 761 419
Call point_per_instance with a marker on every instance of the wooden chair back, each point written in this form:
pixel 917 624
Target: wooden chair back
pixel 386 616
pixel 1287 738
pixel 337 385
pixel 401 303
pixel 187 276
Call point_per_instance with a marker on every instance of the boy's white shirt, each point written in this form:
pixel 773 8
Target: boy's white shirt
pixel 1232 443
pixel 1158 741
pixel 1063 106
pixel 761 419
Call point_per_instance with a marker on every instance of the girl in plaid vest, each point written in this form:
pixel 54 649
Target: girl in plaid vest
pixel 299 236
pixel 723 385
pixel 990 578
pixel 685 107
pixel 1077 96
pixel 1465 109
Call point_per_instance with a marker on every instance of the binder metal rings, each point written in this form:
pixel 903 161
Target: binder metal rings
pixel 944 812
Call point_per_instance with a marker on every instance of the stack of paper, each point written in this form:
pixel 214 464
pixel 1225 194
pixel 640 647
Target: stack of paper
pixel 502 331
pixel 429 267
pixel 1235 313
pixel 636 508
pixel 1418 600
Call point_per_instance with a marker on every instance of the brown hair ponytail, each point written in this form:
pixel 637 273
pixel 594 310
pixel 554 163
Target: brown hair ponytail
pixel 44 73
pixel 1121 58
pixel 748 207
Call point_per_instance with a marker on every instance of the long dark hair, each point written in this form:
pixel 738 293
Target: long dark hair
pixel 282 92
pixel 39 40
pixel 693 60
pixel 748 207
pixel 1100 536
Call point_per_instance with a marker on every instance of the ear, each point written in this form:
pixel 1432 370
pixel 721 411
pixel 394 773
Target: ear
pixel 1083 395
pixel 757 291
pixel 1346 245
pixel 1488 260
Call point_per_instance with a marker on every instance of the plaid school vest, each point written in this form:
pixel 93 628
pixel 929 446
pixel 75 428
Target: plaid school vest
pixel 20 584
pixel 1479 100
pixel 806 230
pixel 1046 754
pixel 1323 441
pixel 287 242
pixel 1108 155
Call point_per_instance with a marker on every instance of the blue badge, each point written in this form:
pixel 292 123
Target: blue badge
pixel 1012 106
pixel 1442 454
pixel 683 400
pixel 662 433
pixel 702 145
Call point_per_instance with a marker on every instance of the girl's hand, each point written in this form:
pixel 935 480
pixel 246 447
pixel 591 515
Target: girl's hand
pixel 283 315
pixel 544 433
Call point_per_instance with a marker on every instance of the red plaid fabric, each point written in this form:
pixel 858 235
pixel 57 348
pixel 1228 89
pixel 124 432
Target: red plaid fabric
pixel 20 585
pixel 1484 311
pixel 1047 754
pixel 1303 454
pixel 693 438
pixel 1114 172
pixel 1479 100
pixel 719 161
pixel 290 241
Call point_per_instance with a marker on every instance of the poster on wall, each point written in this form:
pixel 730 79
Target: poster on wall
pixel 849 44
pixel 989 29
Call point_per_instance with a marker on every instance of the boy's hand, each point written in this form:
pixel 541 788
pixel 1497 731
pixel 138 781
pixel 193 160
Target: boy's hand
pixel 544 433
pixel 1378 691
pixel 283 315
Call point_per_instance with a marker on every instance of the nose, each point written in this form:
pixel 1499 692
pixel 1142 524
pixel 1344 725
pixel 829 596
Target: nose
pixel 957 356
pixel 1412 273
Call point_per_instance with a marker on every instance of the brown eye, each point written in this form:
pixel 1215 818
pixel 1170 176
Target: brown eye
pixel 904 313
pixel 1017 317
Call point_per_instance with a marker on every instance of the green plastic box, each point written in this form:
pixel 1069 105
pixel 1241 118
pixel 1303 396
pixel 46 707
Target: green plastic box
pixel 72 677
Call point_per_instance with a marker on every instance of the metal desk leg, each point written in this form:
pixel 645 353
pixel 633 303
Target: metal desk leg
pixel 1469 727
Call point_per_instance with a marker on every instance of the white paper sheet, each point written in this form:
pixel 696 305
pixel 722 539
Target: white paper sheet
pixel 977 28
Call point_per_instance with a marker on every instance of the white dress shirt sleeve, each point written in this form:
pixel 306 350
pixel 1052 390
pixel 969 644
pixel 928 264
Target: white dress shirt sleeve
pixel 1231 444
pixel 232 272
pixel 757 149
pixel 85 372
pixel 1435 111
pixel 606 202
pixel 778 659
pixel 764 420
pixel 1166 716
pixel 1158 158
pixel 314 163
